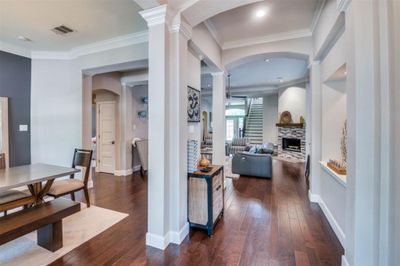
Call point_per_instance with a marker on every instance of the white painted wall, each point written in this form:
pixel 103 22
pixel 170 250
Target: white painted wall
pixel 203 41
pixel 293 99
pixel 270 118
pixel 56 112
pixel 334 115
pixel 327 20
pixel 194 80
pixel 57 100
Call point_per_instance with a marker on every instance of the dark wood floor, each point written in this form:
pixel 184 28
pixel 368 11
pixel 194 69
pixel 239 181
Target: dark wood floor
pixel 266 222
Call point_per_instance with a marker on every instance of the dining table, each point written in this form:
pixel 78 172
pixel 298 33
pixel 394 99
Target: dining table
pixel 37 177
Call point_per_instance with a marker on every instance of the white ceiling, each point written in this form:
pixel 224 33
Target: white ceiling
pixel 94 20
pixel 258 73
pixel 283 16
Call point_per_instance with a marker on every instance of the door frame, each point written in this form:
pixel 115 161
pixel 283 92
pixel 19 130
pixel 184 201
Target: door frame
pixel 4 133
pixel 98 146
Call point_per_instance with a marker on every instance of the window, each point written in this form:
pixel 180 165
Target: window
pixel 230 129
pixel 235 112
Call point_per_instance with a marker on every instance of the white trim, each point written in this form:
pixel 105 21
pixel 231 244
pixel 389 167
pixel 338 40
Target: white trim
pixel 178 237
pixel 162 242
pixel 155 16
pixel 267 39
pixel 313 197
pixel 331 219
pixel 317 15
pixel 96 47
pixel 182 27
pixel 344 261
pixel 156 241
pixel 341 179
pixel 213 31
pixel 342 5
pixel 14 49
pixel 123 172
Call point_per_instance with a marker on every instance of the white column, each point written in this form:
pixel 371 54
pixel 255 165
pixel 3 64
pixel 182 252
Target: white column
pixel 180 34
pixel 316 129
pixel 167 176
pixel 364 139
pixel 158 172
pixel 218 118
pixel 125 130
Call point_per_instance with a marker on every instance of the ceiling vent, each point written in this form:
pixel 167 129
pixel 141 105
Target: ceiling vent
pixel 62 30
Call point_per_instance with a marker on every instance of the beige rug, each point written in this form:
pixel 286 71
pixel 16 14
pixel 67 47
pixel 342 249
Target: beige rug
pixel 77 229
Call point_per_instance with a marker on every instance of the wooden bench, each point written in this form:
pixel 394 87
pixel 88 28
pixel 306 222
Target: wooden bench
pixel 45 218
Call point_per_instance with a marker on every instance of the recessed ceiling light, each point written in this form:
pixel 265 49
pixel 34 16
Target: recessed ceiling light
pixel 260 13
pixel 209 85
pixel 23 38
pixel 266 60
pixel 345 72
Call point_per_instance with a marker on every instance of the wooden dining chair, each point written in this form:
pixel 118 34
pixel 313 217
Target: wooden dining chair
pixel 82 159
pixel 11 199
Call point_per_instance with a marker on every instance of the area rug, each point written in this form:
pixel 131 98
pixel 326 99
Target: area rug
pixel 228 169
pixel 77 229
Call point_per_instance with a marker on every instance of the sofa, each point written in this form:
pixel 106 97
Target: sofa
pixel 256 162
pixel 238 145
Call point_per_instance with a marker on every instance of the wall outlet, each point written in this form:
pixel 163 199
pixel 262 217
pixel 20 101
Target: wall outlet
pixel 23 127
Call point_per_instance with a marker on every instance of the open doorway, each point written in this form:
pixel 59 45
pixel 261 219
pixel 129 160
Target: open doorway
pixel 4 154
pixel 116 104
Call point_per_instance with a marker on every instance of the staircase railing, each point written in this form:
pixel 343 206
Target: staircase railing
pixel 246 117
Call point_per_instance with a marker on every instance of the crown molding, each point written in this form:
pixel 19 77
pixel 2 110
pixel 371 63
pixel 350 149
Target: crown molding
pixel 267 39
pixel 181 26
pixel 110 44
pixel 293 82
pixel 213 31
pixel 317 15
pixel 13 49
pixel 155 16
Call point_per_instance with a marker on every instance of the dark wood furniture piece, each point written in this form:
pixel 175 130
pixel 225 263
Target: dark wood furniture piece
pixel 11 199
pixel 206 198
pixel 45 218
pixel 32 176
pixel 82 158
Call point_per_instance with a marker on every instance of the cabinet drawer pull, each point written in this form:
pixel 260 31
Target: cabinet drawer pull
pixel 218 188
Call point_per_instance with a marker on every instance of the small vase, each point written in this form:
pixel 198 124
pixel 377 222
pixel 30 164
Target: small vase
pixel 204 162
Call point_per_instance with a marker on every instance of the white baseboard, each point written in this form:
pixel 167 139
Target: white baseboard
pixel 156 241
pixel 123 172
pixel 329 216
pixel 313 197
pixel 344 261
pixel 162 242
pixel 178 237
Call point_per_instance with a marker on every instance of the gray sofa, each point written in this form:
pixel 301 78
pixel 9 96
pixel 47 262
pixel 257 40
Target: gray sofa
pixel 252 164
pixel 238 145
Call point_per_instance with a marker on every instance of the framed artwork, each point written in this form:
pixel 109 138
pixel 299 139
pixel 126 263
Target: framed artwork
pixel 193 108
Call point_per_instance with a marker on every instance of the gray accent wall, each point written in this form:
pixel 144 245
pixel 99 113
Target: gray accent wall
pixel 15 83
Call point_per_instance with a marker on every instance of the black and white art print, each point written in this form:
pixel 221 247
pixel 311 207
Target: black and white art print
pixel 193 108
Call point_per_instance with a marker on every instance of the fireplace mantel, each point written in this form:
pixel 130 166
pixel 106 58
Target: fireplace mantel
pixel 291 125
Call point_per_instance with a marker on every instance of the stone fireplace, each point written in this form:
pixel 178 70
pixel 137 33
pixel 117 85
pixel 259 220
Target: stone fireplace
pixel 291 141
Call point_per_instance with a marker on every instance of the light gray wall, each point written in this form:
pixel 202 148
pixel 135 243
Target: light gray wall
pixel 270 115
pixel 15 83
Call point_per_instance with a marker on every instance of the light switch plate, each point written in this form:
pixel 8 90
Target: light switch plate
pixel 23 127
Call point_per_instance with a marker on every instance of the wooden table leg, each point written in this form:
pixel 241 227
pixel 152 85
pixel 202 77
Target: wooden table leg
pixel 50 236
pixel 38 191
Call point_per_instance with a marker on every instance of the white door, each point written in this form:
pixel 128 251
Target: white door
pixel 106 137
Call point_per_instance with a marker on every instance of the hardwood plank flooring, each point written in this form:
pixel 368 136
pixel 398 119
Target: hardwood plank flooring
pixel 266 222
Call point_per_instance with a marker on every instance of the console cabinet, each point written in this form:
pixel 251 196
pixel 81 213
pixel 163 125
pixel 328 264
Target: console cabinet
pixel 206 198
